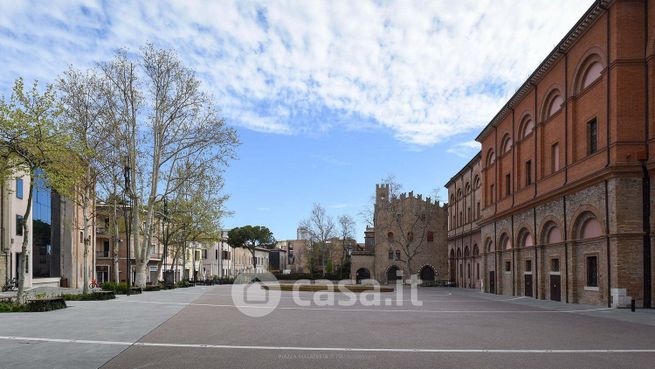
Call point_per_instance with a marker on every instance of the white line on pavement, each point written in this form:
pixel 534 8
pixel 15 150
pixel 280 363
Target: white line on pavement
pixel 367 310
pixel 341 349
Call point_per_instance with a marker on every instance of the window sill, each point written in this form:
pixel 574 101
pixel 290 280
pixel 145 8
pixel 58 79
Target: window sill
pixel 587 288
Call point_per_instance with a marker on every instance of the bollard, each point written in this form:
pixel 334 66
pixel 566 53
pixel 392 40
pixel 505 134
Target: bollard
pixel 632 305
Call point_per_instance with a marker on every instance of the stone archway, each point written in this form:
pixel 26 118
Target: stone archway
pixel 392 274
pixel 362 273
pixel 427 274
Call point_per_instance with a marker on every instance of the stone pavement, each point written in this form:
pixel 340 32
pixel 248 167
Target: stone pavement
pixel 455 328
pixel 85 320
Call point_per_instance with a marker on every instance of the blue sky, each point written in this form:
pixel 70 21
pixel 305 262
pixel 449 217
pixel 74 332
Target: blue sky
pixel 328 96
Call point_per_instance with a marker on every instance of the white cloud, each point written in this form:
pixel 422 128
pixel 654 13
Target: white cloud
pixel 465 149
pixel 424 70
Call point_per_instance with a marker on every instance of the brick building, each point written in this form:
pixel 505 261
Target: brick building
pixel 111 250
pixel 405 227
pixel 565 166
pixel 464 208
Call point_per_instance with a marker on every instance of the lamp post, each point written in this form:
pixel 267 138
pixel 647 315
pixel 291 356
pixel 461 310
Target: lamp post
pixel 126 198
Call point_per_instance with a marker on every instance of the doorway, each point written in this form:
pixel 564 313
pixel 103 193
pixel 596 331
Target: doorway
pixel 555 287
pixel 528 285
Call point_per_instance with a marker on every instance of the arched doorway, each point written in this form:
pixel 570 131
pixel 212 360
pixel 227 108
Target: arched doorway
pixel 362 273
pixel 392 274
pixel 427 274
pixel 453 266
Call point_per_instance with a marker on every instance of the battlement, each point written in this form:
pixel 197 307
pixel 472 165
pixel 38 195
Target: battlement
pixel 418 197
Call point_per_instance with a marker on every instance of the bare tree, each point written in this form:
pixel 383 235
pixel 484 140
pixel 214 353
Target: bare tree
pixel 321 229
pixel 84 106
pixel 167 120
pixel 346 233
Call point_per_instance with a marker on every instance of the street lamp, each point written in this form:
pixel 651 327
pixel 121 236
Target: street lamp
pixel 126 198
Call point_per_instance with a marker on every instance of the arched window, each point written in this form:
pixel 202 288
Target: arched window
pixel 552 233
pixel 467 188
pixel 553 104
pixel 589 72
pixel 467 252
pixel 390 236
pixel 491 157
pixel 588 226
pixel 476 250
pixel 505 242
pixel 476 182
pixel 410 236
pixel 489 245
pixel 525 238
pixel 459 252
pixel 452 199
pixel 459 194
pixel 527 126
pixel 506 144
pixel 452 253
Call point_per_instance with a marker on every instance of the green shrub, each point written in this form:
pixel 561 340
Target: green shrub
pixel 226 280
pixel 95 296
pixel 183 284
pixel 310 276
pixel 45 304
pixel 11 307
pixel 117 288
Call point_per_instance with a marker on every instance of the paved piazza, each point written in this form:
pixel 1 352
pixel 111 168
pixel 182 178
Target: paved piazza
pixel 200 327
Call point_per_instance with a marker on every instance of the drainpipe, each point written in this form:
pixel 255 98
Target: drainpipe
pixel 534 133
pixel 512 181
pixel 496 271
pixel 566 252
pixel 607 89
pixel 607 248
pixel 607 149
pixel 566 118
pixel 645 189
pixel 646 179
pixel 536 260
pixel 534 208
pixel 513 259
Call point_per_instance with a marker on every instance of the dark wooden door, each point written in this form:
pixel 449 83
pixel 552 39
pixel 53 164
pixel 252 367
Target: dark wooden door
pixel 555 288
pixel 492 282
pixel 392 274
pixel 528 284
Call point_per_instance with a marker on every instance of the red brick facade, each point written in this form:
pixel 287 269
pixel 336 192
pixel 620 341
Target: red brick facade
pixel 562 168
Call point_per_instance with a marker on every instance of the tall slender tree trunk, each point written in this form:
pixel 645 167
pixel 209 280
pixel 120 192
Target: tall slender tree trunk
pixel 184 275
pixel 85 234
pixel 24 262
pixel 116 243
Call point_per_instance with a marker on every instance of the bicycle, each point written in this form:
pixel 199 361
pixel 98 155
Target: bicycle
pixel 94 284
pixel 10 285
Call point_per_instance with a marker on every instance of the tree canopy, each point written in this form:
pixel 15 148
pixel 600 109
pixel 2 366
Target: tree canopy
pixel 251 237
